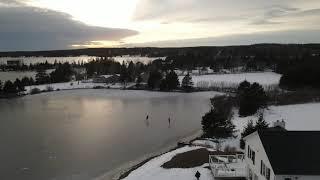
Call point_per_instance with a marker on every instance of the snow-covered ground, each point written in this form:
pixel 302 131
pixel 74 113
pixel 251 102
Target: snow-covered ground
pixel 297 117
pixel 153 170
pixel 75 85
pixel 264 78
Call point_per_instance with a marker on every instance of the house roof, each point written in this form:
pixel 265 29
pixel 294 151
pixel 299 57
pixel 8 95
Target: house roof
pixel 292 152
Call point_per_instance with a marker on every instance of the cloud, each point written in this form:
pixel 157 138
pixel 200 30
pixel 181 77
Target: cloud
pixel 13 2
pixel 286 37
pixel 251 12
pixel 309 12
pixel 30 28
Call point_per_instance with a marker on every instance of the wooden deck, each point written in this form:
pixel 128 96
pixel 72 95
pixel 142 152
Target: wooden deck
pixel 228 166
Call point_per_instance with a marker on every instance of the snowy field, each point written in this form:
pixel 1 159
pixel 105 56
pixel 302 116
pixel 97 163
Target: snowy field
pixel 297 117
pixel 264 78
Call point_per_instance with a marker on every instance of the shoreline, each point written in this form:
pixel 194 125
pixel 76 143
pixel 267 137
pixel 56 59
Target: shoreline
pixel 125 169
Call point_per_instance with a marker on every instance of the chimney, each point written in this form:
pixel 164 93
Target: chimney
pixel 279 123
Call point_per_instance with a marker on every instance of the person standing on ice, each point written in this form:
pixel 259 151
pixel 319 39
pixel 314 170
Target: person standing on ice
pixel 147 121
pixel 169 121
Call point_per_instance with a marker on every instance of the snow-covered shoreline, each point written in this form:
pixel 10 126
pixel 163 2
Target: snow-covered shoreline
pixel 74 85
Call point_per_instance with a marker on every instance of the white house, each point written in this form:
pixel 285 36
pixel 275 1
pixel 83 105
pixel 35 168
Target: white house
pixel 277 154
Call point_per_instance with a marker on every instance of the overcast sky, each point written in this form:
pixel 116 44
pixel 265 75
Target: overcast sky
pixel 64 24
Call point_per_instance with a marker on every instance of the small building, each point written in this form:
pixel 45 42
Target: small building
pixel 109 79
pixel 277 154
pixel 14 62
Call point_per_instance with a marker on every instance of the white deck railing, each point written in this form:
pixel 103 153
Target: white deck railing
pixel 228 165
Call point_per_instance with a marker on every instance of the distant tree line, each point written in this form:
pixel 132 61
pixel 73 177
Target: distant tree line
pixel 30 67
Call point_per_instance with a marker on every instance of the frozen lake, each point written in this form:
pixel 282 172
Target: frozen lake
pixel 82 134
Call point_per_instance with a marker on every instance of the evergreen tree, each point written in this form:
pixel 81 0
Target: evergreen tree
pixel 31 81
pixel 154 80
pixel 62 73
pixel 9 88
pixel 217 122
pixel 42 77
pixel 163 85
pixel 131 72
pixel 19 86
pixel 25 81
pixel 251 98
pixel 139 80
pixel 187 83
pixel 243 86
pixel 172 80
pixel 261 123
pixel 124 76
pixel 248 129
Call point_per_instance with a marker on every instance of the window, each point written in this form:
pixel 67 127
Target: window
pixel 268 174
pixel 264 171
pixel 249 152
pixel 262 168
pixel 253 156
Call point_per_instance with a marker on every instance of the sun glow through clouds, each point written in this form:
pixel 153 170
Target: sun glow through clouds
pixel 156 20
